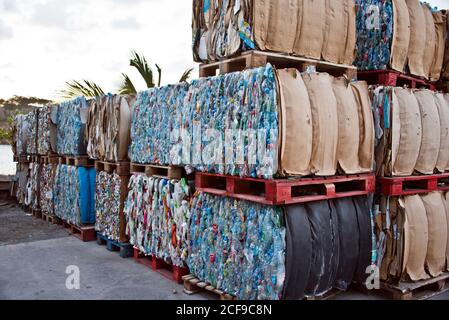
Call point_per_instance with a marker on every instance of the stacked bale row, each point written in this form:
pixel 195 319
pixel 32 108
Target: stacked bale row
pixel 108 139
pixel 327 118
pixel 413 239
pixel 257 123
pixel 74 187
pixel 314 29
pixel 404 35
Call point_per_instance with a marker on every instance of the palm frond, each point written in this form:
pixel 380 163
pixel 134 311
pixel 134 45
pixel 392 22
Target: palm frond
pixel 126 86
pixel 159 71
pixel 75 89
pixel 186 75
pixel 142 66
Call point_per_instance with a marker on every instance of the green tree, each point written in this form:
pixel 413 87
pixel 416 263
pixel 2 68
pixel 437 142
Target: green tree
pixel 139 62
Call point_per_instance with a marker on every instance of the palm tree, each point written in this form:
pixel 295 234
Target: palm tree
pixel 84 88
pixel 142 66
pixel 139 62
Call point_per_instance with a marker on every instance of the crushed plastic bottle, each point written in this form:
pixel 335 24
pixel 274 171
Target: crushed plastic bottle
pixel 74 194
pixel 374 34
pixel 158 215
pixel 47 179
pixel 107 205
pixel 46 131
pixel 72 117
pixel 226 124
pixel 32 187
pixel 238 246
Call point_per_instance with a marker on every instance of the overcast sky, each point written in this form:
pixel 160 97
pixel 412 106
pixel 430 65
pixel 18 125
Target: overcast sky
pixel 44 43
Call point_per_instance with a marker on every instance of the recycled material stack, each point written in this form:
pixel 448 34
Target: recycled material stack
pixel 412 154
pixel 74 186
pixel 260 180
pixel 108 138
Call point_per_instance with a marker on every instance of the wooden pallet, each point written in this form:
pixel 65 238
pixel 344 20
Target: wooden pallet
pixel 443 86
pixel 26 208
pixel 168 271
pixel 125 249
pixel 21 159
pixel 394 79
pixel 35 159
pixel 82 161
pixel 50 218
pixel 327 296
pixel 37 213
pixel 163 172
pixel 84 233
pixel 193 285
pixel 121 168
pixel 255 58
pixel 286 191
pixel 50 159
pixel 402 186
pixel 421 290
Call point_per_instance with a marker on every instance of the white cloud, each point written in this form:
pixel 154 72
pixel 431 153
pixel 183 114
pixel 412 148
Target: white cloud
pixel 55 41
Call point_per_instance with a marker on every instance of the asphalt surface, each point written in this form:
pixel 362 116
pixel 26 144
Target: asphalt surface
pixel 34 257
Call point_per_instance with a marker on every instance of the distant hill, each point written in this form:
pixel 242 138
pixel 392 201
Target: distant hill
pixel 11 107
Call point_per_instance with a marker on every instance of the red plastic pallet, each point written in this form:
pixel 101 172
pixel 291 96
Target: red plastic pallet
pixel 85 234
pixel 168 271
pixel 394 79
pixel 402 186
pixel 286 191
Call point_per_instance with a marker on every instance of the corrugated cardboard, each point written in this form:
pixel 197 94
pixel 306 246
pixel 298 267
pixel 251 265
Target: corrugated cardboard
pixel 443 111
pixel 440 31
pixel 416 237
pixel 417 38
pixel 401 35
pixel 446 203
pixel 436 249
pixel 430 46
pixel 366 121
pixel 325 123
pixel 348 127
pixel 313 26
pixel 409 135
pixel 431 136
pixel 297 130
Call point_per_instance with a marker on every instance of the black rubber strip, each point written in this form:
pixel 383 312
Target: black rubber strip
pixel 348 230
pixel 299 252
pixel 320 221
pixel 365 240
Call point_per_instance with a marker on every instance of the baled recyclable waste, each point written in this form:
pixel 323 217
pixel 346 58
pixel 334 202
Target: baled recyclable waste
pixel 47 130
pixel 32 186
pixel 158 216
pixel 413 237
pixel 108 128
pixel 238 246
pixel 412 131
pixel 314 29
pixel 401 35
pixel 108 205
pixel 32 119
pixel 47 180
pixel 253 124
pixel 22 176
pixel 71 121
pixel 74 194
pixel 21 134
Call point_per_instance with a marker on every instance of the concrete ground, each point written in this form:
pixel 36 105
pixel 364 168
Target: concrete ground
pixel 34 256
